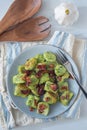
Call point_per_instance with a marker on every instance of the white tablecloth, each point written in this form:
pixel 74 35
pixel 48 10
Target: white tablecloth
pixel 77 48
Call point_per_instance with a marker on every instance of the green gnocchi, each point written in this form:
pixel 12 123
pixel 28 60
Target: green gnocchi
pixel 43 81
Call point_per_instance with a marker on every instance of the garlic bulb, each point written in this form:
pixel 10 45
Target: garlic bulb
pixel 66 13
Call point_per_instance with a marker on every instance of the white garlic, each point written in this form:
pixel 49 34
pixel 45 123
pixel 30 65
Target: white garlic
pixel 66 13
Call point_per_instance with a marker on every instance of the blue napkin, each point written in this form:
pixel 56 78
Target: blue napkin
pixel 77 48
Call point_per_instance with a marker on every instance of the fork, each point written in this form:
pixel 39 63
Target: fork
pixel 64 61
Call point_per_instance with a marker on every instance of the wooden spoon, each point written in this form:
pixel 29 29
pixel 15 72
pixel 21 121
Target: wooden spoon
pixel 33 29
pixel 19 11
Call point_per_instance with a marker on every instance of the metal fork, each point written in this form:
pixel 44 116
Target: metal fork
pixel 64 61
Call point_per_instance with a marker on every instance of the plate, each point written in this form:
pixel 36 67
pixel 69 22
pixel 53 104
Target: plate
pixel 55 109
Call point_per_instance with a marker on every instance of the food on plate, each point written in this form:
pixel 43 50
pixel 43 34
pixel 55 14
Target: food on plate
pixel 40 58
pixel 66 97
pixel 21 90
pixel 66 13
pixel 32 101
pixel 51 87
pixel 43 108
pixel 44 78
pixel 19 78
pixel 50 57
pixel 43 81
pixel 30 64
pixel 63 86
pixel 31 80
pixel 34 90
pixel 62 78
pixel 60 70
pixel 21 68
pixel 50 98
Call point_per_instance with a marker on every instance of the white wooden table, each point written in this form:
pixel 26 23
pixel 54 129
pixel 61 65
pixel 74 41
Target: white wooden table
pixel 80 30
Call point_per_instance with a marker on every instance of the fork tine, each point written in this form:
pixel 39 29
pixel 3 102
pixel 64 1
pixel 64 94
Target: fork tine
pixel 61 57
pixel 58 58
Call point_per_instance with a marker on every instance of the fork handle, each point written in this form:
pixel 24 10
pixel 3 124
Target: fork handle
pixel 84 92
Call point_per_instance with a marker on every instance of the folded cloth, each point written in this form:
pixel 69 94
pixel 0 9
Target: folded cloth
pixel 10 116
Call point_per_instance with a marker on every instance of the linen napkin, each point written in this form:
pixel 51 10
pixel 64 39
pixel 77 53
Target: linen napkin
pixel 10 116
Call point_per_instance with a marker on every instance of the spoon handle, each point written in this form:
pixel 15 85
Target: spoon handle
pixel 5 25
pixel 8 36
pixel 19 11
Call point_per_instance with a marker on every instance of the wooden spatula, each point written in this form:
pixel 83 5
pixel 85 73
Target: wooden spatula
pixel 33 29
pixel 19 11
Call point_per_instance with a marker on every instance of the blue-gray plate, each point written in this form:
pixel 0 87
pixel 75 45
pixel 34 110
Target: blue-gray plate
pixel 56 109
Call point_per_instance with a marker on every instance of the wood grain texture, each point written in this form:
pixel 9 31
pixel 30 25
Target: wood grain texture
pixel 33 29
pixel 19 11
